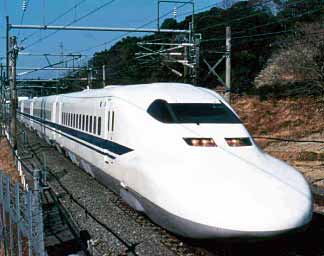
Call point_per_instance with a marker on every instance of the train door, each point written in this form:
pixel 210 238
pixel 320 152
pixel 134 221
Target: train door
pixel 111 121
pixel 43 117
pixel 108 131
pixel 57 116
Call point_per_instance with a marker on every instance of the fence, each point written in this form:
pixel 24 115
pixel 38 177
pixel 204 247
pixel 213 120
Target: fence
pixel 21 214
pixel 21 218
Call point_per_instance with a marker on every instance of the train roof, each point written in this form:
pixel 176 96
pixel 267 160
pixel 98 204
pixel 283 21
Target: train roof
pixel 143 94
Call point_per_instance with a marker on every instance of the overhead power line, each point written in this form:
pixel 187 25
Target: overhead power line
pixel 80 18
pixel 55 19
pixel 263 25
pixel 227 23
pixel 282 19
pixel 125 34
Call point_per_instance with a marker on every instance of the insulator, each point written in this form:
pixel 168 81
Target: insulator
pixel 175 12
pixel 24 5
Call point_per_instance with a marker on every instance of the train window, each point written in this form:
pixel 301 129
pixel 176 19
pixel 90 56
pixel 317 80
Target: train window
pixel 68 119
pixel 94 124
pixel 83 122
pixel 113 121
pixel 192 113
pixel 99 125
pixel 74 120
pixel 159 110
pixel 87 123
pixel 80 121
pixel 77 121
pixel 90 125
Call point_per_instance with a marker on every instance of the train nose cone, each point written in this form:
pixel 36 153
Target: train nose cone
pixel 240 199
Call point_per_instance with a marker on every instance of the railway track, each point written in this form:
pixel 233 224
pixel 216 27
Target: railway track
pixel 138 232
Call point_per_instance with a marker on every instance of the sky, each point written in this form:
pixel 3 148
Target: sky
pixel 118 13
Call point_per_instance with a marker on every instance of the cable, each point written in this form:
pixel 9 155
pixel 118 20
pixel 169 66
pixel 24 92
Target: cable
pixel 276 42
pixel 250 36
pixel 127 33
pixel 288 140
pixel 270 23
pixel 238 19
pixel 82 17
pixel 48 66
pixel 283 19
pixel 55 19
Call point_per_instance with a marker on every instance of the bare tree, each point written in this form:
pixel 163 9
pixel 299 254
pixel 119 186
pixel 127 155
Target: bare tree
pixel 299 61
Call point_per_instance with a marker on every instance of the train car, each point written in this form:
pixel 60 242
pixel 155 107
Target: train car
pixel 181 155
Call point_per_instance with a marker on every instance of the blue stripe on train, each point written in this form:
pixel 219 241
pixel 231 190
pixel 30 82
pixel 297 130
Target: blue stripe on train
pixel 99 142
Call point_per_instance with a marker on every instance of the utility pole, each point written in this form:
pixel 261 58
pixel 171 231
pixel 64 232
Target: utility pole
pixel 103 75
pixel 62 53
pixel 228 65
pixel 13 92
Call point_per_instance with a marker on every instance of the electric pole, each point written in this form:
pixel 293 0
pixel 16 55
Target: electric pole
pixel 13 53
pixel 62 53
pixel 228 65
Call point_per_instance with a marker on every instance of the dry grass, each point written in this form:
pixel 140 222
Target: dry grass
pixel 7 161
pixel 286 118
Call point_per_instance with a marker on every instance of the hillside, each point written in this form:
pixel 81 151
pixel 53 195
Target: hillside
pixel 260 30
pixel 284 118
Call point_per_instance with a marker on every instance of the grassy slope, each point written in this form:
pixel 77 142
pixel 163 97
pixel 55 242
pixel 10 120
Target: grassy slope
pixel 286 118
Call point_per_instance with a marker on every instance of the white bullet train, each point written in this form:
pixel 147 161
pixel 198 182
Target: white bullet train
pixel 178 153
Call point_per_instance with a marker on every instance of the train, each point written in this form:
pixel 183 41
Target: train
pixel 179 154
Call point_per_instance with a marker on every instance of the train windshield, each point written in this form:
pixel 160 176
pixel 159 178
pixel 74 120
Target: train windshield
pixel 192 113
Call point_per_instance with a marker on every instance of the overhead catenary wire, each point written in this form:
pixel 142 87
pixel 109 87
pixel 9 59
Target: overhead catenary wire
pixel 55 19
pixel 282 19
pixel 263 25
pixel 240 18
pixel 227 23
pixel 125 34
pixel 70 23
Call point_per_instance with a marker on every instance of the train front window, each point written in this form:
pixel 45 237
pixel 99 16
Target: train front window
pixel 192 113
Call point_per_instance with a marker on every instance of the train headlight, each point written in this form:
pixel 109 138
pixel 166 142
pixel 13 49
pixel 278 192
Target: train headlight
pixel 200 142
pixel 238 142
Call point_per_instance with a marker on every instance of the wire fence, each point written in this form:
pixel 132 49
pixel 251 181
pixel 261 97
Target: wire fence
pixel 22 229
pixel 21 213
